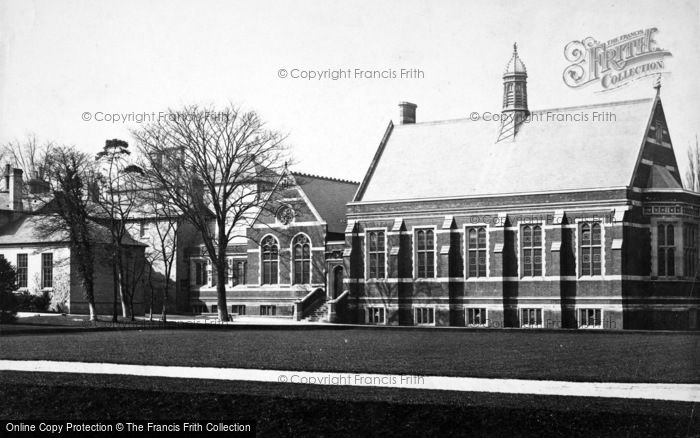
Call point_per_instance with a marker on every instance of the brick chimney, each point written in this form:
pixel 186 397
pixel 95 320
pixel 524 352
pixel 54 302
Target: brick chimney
pixel 407 113
pixel 12 189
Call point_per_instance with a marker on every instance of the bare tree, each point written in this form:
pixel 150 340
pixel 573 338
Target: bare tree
pixel 215 167
pixel 166 220
pixel 68 173
pixel 116 199
pixel 692 175
pixel 29 154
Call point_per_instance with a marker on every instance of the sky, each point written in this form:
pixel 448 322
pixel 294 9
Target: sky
pixel 62 59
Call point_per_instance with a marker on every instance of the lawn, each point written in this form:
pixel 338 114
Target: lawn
pixel 302 410
pixel 552 355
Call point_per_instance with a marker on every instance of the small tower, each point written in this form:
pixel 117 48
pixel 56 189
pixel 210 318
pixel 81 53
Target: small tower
pixel 514 97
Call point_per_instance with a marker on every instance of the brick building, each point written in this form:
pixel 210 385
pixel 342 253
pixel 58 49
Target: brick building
pixel 288 261
pixel 569 217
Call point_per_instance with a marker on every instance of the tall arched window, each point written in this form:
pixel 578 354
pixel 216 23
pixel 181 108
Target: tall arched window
pixel 425 253
pixel 376 247
pixel 270 260
pixel 532 251
pixel 301 251
pixel 590 244
pixel 476 252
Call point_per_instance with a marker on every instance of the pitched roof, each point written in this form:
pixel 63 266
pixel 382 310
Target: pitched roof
pixel 25 230
pixel 661 178
pixel 459 158
pixel 329 197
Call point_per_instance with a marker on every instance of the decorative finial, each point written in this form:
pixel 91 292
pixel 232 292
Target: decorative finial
pixel 657 84
pixel 515 48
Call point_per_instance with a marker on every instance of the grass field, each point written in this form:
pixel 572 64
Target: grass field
pixel 303 410
pixel 551 355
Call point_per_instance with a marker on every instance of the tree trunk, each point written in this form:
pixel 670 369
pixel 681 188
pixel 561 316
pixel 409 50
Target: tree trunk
pixel 165 301
pixel 93 313
pixel 115 291
pixel 122 287
pixel 221 284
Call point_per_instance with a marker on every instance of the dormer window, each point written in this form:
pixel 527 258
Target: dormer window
pixel 659 132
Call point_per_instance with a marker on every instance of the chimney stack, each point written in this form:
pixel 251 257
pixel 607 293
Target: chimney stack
pixel 407 113
pixel 15 185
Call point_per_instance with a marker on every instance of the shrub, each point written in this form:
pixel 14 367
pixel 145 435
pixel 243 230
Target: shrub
pixel 28 302
pixel 8 284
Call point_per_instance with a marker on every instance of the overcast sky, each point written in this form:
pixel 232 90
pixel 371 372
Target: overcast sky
pixel 60 59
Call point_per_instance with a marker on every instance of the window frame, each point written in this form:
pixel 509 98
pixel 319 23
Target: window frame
pixel 236 309
pixel 47 271
pixel 368 253
pixel 271 308
pixel 580 319
pixel 522 249
pixel 430 312
pixel 580 248
pixel 426 252
pixel 539 314
pixel 22 271
pixel 302 261
pixel 200 272
pixel 239 275
pixel 468 250
pixel 666 248
pixel 369 315
pixel 483 310
pixel 271 262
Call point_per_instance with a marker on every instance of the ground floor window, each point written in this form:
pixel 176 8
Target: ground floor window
pixel 214 308
pixel 238 309
pixel 199 308
pixel 376 315
pixel 200 273
pixel 476 317
pixel 240 272
pixel 589 318
pixel 425 315
pixel 268 310
pixel 47 270
pixel 530 317
pixel 22 270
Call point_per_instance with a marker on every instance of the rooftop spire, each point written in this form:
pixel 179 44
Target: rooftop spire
pixel 514 97
pixel 657 84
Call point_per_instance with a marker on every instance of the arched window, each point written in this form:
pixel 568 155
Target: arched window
pixel 590 244
pixel 425 254
pixel 270 260
pixel 301 251
pixel 376 247
pixel 476 252
pixel 532 251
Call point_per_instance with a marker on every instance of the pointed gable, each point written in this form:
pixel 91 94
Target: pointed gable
pixel 657 166
pixel 311 198
pixel 329 197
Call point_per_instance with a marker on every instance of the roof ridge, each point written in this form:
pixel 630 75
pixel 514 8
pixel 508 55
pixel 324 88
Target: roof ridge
pixel 593 105
pixel 330 178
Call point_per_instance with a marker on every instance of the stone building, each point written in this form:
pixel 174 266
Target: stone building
pixel 42 256
pixel 560 218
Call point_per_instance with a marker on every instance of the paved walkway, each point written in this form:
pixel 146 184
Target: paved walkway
pixel 652 391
